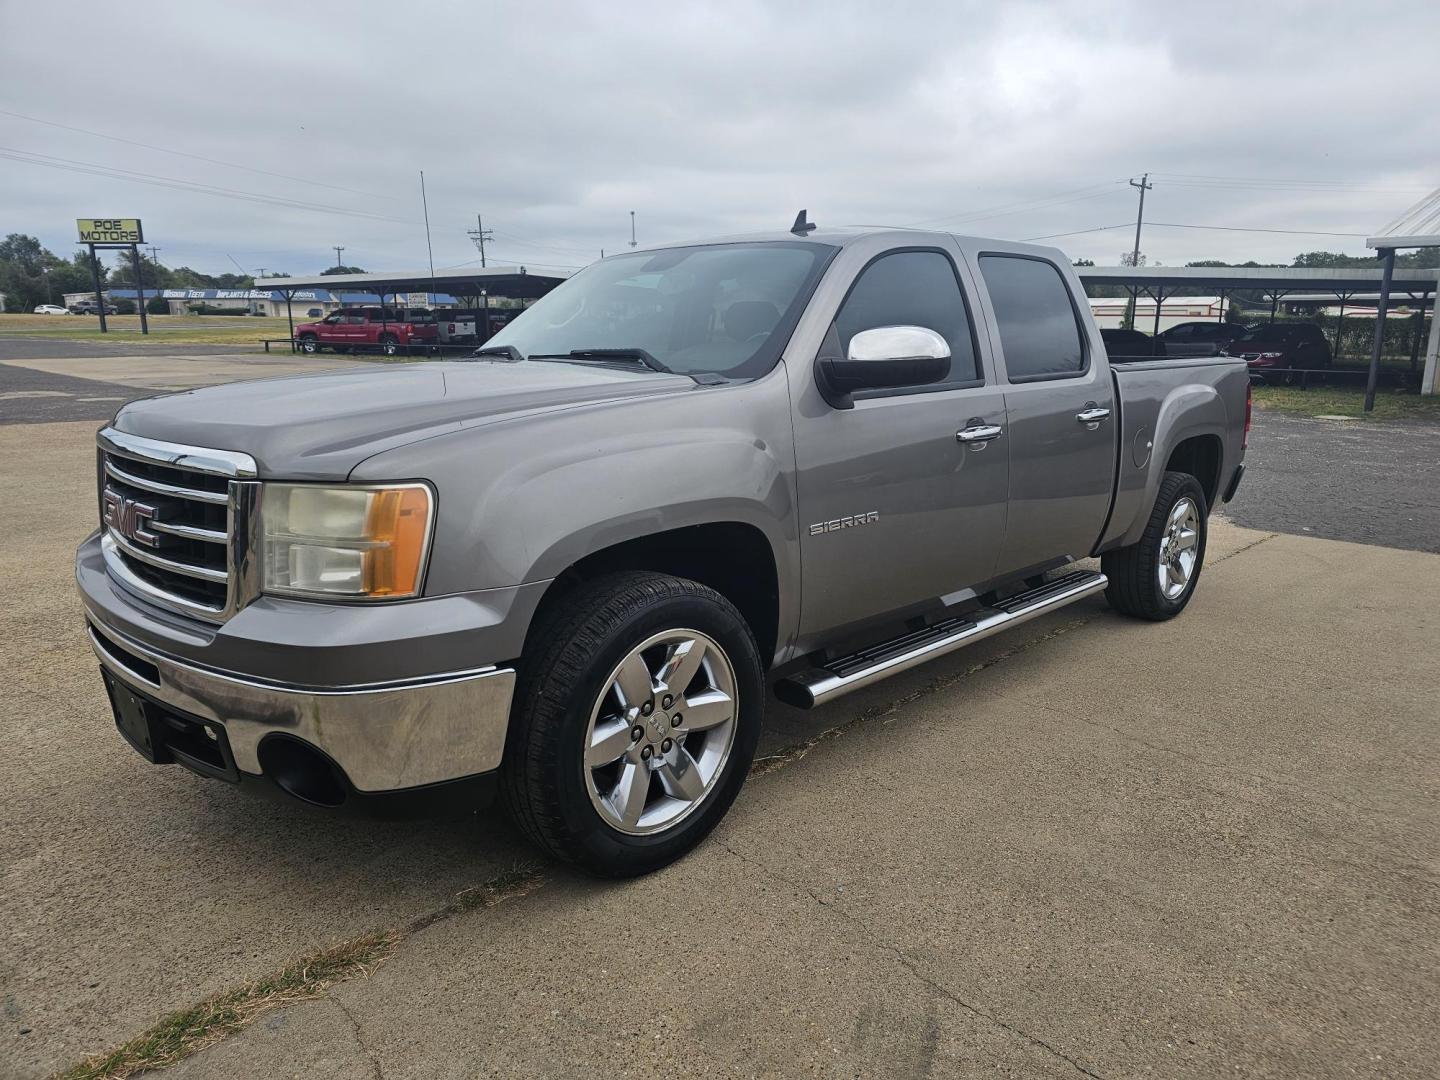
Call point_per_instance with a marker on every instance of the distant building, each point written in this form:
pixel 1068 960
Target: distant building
pixel 1109 311
pixel 264 301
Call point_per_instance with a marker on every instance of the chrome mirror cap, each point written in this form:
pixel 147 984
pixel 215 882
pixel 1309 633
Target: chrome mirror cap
pixel 898 343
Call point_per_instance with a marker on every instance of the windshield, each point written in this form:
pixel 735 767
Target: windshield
pixel 725 309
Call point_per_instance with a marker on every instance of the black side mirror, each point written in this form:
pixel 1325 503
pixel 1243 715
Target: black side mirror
pixel 885 357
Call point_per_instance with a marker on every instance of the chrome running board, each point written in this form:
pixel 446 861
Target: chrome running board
pixel 844 674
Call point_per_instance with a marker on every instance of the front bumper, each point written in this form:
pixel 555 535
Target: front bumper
pixel 383 736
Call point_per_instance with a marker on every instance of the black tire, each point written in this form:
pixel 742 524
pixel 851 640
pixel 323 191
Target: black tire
pixel 389 345
pixel 1134 571
pixel 309 343
pixel 578 644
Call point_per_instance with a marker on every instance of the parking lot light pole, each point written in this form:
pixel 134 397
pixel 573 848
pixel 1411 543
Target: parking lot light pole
pixel 1386 278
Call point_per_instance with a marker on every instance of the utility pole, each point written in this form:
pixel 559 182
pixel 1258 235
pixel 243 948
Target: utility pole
pixel 153 252
pixel 429 250
pixel 338 263
pixel 632 228
pixel 480 234
pixel 1144 185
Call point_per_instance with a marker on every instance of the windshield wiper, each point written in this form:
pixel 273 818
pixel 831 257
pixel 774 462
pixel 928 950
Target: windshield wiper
pixel 510 352
pixel 608 354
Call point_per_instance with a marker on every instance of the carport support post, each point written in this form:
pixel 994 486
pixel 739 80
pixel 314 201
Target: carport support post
pixel 1340 323
pixel 1386 278
pixel 1159 302
pixel 1429 384
pixel 1274 306
pixel 1220 312
pixel 99 296
pixel 289 318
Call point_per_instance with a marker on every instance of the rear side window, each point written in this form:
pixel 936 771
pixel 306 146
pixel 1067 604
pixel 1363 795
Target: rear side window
pixel 1038 330
pixel 912 288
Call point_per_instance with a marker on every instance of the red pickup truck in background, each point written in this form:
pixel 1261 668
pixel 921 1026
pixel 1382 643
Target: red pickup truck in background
pixel 390 330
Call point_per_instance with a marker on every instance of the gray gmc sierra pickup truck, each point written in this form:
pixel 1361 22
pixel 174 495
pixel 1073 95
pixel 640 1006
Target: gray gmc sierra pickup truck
pixel 570 566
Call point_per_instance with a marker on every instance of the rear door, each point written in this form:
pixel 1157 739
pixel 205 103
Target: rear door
pixel 1060 404
pixel 895 510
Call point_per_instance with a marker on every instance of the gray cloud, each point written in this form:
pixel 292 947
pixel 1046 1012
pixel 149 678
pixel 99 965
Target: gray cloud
pixel 555 120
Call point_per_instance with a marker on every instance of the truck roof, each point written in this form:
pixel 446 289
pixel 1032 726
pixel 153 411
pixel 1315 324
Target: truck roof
pixel 845 235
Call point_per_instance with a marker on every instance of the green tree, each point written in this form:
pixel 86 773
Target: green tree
pixel 343 270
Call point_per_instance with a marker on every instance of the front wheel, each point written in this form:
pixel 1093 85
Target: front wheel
pixel 1155 578
pixel 309 344
pixel 634 724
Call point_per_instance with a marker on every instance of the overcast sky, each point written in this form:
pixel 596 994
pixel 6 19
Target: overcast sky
pixel 556 120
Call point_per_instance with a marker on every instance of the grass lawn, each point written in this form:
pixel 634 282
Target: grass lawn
pixel 164 329
pixel 1337 401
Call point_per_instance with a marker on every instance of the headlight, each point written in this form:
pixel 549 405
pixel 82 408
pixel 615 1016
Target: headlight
pixel 356 542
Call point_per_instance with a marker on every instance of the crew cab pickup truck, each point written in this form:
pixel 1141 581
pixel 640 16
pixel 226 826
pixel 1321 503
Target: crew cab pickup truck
pixel 573 567
pixel 389 330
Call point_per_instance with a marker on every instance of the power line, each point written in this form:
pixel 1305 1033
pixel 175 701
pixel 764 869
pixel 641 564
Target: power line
pixel 50 161
pixel 1232 228
pixel 196 157
pixel 1005 209
pixel 1264 180
pixel 1077 232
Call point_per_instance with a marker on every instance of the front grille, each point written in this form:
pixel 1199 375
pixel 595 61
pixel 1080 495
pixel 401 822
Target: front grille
pixel 176 522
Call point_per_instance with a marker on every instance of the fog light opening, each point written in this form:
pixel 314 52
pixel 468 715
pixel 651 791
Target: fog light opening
pixel 300 770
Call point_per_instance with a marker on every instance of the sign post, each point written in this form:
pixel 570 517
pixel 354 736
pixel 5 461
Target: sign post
pixel 105 234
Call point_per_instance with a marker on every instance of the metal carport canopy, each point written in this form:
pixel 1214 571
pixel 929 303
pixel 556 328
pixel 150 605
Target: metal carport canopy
pixel 515 282
pixel 1265 278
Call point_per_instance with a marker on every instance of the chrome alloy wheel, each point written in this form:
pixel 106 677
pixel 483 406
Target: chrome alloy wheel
pixel 661 732
pixel 1179 549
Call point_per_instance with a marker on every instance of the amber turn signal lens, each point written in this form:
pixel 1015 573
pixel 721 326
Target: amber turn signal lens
pixel 398 523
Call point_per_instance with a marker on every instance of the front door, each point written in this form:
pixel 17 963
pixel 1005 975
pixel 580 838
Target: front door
pixel 1062 416
pixel 895 510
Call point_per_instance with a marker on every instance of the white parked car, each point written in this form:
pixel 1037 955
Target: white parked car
pixel 51 309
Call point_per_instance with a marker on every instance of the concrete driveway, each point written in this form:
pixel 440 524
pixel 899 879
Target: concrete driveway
pixel 1088 847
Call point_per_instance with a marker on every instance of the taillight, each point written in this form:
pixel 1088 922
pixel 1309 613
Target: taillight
pixel 452 328
pixel 1249 395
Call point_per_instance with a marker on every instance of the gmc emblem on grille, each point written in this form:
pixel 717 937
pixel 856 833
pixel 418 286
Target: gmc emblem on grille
pixel 129 518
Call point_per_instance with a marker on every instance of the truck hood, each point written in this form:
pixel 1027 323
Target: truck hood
pixel 319 427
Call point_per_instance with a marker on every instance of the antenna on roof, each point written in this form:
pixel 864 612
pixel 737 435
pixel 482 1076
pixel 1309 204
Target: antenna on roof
pixel 801 226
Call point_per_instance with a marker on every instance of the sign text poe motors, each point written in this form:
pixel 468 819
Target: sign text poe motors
pixel 110 231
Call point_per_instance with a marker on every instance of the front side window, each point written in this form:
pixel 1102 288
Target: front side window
pixel 722 309
pixel 1039 333
pixel 912 288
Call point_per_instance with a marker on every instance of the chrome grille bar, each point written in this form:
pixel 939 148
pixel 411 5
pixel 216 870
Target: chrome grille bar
pixel 215 498
pixel 200 573
pixel 162 506
pixel 191 532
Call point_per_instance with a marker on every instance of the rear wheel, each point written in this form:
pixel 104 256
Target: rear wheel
pixel 634 724
pixel 1155 578
pixel 389 345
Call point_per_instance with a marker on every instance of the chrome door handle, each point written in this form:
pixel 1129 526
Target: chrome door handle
pixel 979 433
pixel 1092 415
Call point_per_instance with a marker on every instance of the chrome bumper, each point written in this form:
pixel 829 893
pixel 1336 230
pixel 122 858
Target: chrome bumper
pixel 384 736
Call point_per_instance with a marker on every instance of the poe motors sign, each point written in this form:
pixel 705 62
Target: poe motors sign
pixel 110 231
pixel 100 234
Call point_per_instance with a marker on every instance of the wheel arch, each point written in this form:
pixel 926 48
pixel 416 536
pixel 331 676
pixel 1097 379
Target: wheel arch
pixel 734 558
pixel 1201 457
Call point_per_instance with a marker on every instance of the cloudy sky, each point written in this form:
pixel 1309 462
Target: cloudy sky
pixel 261 134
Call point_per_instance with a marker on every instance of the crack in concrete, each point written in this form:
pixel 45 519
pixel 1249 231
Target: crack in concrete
pixel 909 964
pixel 370 1055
